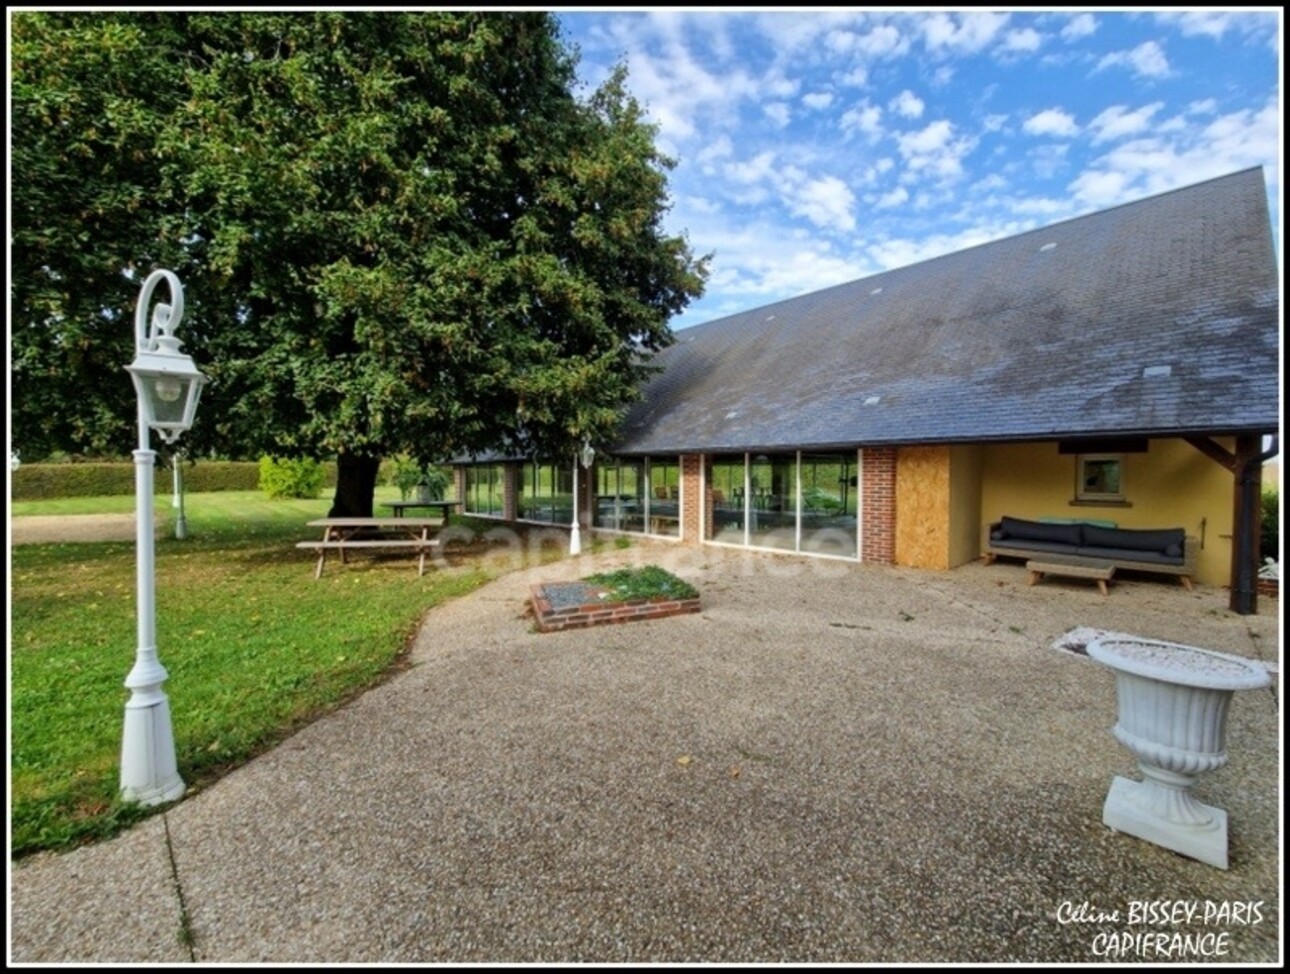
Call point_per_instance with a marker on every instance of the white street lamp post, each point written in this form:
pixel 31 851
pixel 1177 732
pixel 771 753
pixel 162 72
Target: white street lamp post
pixel 181 525
pixel 585 456
pixel 168 385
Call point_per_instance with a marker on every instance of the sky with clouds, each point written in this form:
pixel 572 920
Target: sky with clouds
pixel 819 146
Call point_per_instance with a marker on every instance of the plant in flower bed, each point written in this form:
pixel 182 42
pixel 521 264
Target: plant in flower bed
pixel 649 582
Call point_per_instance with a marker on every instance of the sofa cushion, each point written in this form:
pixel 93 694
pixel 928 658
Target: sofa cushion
pixel 1131 540
pixel 1014 528
pixel 1128 555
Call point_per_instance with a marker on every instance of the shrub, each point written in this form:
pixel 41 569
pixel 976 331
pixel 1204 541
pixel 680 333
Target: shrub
pixel 290 477
pixel 407 474
pixel 1270 534
pixel 62 478
pixel 647 582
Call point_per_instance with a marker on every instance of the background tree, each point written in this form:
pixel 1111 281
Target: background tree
pixel 397 232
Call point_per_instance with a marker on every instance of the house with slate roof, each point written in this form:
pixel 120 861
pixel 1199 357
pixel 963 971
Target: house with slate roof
pixel 1121 366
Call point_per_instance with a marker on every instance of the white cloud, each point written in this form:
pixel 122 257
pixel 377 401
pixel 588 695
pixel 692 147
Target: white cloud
pixel 966 33
pixel 857 77
pixel 827 202
pixel 893 198
pixel 1079 27
pixel 1051 121
pixel 1207 23
pixel 934 149
pixel 777 112
pixel 883 41
pixel 719 148
pixel 753 171
pixel 1147 59
pixel 1146 166
pixel 1100 188
pixel 907 104
pixel 865 118
pixel 1022 41
pixel 818 100
pixel 1117 121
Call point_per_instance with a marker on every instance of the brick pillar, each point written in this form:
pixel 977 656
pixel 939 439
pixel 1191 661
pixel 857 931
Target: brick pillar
pixel 878 500
pixel 459 485
pixel 510 491
pixel 693 499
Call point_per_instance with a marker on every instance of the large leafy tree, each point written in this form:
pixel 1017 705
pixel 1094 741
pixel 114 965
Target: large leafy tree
pixel 397 232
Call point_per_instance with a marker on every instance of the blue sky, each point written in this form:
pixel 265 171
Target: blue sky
pixel 817 147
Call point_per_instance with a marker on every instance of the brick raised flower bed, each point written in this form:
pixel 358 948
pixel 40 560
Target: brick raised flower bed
pixel 577 605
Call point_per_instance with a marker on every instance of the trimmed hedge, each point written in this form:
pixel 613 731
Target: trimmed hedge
pixel 42 481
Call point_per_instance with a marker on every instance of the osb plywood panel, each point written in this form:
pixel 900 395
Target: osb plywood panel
pixel 923 507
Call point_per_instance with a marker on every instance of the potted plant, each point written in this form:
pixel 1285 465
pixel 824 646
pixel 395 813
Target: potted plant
pixel 429 482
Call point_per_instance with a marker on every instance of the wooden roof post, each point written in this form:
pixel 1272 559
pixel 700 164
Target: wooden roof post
pixel 1247 513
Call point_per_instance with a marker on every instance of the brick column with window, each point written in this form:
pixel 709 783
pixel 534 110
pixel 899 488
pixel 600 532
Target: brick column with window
pixel 692 499
pixel 878 497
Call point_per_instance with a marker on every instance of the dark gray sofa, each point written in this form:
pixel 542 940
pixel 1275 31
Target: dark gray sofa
pixel 1169 551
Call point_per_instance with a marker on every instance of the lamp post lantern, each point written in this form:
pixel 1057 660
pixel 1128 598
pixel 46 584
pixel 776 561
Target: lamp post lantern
pixel 168 385
pixel 585 456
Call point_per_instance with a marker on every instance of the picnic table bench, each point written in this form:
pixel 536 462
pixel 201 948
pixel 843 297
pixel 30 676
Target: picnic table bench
pixel 344 534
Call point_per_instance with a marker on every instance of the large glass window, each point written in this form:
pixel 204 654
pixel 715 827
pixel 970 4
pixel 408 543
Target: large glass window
pixel 620 495
pixel 772 492
pixel 787 501
pixel 484 490
pixel 829 495
pixel 546 493
pixel 642 496
pixel 727 481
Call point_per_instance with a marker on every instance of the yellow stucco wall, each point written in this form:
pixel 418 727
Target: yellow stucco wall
pixel 1171 485
pixel 966 465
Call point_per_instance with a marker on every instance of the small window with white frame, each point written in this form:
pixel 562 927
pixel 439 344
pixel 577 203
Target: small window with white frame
pixel 1099 477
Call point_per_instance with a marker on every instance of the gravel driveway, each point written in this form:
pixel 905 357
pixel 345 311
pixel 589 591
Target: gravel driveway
pixel 830 763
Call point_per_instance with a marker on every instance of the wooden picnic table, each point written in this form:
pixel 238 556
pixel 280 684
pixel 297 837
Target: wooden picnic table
pixel 444 507
pixel 344 534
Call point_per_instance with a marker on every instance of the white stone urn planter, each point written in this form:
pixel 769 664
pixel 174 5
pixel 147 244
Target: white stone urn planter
pixel 1172 715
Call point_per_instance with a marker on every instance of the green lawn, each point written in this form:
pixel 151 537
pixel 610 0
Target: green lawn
pixel 253 644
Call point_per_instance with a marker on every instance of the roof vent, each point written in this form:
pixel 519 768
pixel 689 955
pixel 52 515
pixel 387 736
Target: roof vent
pixel 873 400
pixel 770 317
pixel 876 290
pixel 732 414
pixel 1157 371
pixel 1048 246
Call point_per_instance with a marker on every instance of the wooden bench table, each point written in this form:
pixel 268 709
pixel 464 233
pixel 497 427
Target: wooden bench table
pixel 342 534
pixel 1071 566
pixel 443 507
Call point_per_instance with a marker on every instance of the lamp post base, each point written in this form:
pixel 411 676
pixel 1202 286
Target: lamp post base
pixel 148 772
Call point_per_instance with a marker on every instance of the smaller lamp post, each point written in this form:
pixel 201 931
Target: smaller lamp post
pixel 586 456
pixel 181 525
pixel 168 385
